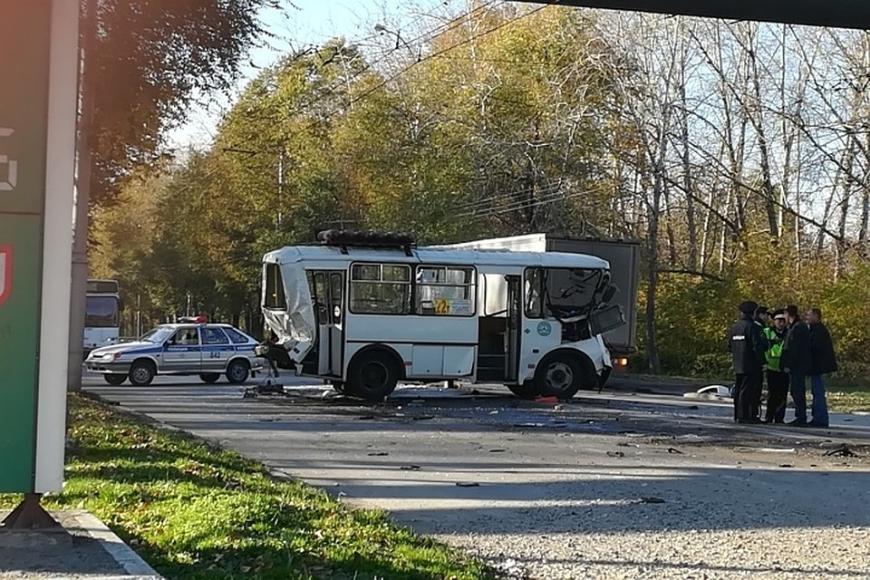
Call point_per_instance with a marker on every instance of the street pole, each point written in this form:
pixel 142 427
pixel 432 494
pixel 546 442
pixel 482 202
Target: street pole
pixel 78 294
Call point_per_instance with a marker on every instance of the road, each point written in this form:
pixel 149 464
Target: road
pixel 616 485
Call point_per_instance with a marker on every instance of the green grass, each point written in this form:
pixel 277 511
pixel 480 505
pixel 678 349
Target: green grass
pixel 195 511
pixel 846 398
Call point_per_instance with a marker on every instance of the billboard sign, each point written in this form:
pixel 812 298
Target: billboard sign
pixel 38 65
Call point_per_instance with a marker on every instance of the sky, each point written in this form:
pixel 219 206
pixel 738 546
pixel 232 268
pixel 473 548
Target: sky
pixel 297 24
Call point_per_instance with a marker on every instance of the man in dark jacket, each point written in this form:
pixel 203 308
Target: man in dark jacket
pixel 824 362
pixel 747 346
pixel 797 362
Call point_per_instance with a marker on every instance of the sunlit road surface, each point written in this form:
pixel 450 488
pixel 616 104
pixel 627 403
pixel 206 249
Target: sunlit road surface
pixel 617 484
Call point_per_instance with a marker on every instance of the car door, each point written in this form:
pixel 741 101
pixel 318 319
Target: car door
pixel 182 352
pixel 216 349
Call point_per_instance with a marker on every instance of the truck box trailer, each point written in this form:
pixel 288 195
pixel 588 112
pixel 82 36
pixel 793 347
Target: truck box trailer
pixel 624 258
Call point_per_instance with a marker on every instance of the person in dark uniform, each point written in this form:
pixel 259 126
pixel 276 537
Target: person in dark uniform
pixel 824 362
pixel 747 346
pixel 762 319
pixel 797 361
pixel 777 381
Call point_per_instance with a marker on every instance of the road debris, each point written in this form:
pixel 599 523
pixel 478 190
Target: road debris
pixel 650 499
pixel 842 450
pixel 409 468
pixel 674 450
pixel 378 454
pixel 467 484
pixel 615 454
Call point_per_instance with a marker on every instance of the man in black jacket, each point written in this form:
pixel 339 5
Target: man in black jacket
pixel 824 362
pixel 747 346
pixel 797 362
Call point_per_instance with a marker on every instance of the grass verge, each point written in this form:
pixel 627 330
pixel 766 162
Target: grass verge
pixel 847 399
pixel 195 511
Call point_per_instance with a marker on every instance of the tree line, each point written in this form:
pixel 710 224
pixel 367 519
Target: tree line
pixel 739 154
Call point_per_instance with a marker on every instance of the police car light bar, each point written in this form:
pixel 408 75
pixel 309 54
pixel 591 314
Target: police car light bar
pixel 201 319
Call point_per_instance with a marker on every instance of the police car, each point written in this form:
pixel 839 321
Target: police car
pixel 207 350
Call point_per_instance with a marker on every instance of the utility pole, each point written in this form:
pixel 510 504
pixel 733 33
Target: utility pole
pixel 280 188
pixel 78 295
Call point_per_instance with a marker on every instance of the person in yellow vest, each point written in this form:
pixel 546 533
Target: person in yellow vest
pixel 777 380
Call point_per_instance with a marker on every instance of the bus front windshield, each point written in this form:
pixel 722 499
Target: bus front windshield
pixel 101 312
pixel 560 292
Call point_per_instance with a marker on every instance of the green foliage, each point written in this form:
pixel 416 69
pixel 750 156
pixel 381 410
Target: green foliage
pixel 146 62
pixel 195 511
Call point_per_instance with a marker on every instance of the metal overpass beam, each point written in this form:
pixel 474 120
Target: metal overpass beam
pixel 833 13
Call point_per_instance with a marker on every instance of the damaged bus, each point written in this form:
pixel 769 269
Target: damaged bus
pixel 365 311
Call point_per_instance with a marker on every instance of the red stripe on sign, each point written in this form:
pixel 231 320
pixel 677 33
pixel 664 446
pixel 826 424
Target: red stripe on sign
pixel 5 273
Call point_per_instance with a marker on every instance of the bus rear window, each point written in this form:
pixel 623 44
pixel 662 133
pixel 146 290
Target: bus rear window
pixel 274 296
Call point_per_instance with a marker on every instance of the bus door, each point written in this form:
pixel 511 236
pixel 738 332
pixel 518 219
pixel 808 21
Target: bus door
pixel 329 306
pixel 499 328
pixel 514 321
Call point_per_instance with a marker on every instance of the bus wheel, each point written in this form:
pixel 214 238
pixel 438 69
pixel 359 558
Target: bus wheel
pixel 142 373
pixel 115 380
pixel 559 375
pixel 373 376
pixel 237 372
pixel 527 391
pixel 209 378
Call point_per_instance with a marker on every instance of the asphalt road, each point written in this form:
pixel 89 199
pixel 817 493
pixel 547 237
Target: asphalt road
pixel 621 484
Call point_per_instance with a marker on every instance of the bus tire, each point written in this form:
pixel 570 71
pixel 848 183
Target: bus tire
pixel 560 375
pixel 115 380
pixel 142 373
pixel 373 375
pixel 528 390
pixel 210 378
pixel 238 371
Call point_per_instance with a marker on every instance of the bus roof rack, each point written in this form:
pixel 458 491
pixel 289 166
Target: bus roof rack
pixel 345 239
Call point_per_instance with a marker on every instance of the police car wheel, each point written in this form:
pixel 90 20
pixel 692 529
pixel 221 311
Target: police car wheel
pixel 115 380
pixel 237 372
pixel 209 378
pixel 560 376
pixel 142 373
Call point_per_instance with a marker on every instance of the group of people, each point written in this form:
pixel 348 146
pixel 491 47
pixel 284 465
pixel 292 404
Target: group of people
pixel 785 349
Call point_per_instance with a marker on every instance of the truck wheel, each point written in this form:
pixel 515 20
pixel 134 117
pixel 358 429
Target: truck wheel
pixel 559 375
pixel 115 380
pixel 237 372
pixel 527 391
pixel 142 373
pixel 209 378
pixel 373 376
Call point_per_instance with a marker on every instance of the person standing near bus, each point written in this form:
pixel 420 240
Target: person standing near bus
pixel 777 381
pixel 747 345
pixel 796 360
pixel 824 362
pixel 762 319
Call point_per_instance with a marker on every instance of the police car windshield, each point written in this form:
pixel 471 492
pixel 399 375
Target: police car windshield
pixel 158 335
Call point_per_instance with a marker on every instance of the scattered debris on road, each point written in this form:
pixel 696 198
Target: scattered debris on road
pixel 650 499
pixel 615 454
pixel 842 450
pixel 467 484
pixel 674 451
pixel 409 467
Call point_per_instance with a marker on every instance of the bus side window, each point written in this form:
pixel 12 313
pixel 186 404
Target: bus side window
pixel 380 289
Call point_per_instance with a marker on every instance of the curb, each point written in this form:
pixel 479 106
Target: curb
pixel 123 554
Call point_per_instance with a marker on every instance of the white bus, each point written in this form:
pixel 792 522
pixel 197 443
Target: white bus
pixel 102 314
pixel 365 312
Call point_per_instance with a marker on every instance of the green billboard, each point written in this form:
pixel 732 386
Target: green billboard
pixel 37 129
